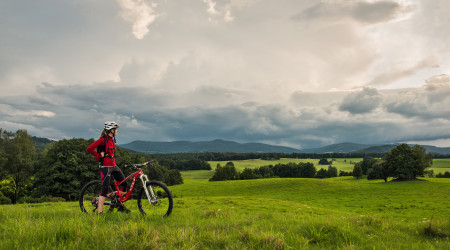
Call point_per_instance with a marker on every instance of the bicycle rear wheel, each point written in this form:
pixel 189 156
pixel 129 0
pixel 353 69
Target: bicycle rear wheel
pixel 159 205
pixel 89 197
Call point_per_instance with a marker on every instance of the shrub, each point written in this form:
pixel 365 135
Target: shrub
pixel 324 161
pixel 322 173
pixel 29 199
pixel 228 172
pixel 331 172
pixel 445 175
pixel 248 174
pixel 4 199
pixel 343 173
pixel 357 171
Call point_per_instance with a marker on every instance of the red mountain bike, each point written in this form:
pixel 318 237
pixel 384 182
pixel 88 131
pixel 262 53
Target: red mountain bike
pixel 154 197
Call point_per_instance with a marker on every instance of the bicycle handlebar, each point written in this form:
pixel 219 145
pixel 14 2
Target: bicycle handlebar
pixel 136 166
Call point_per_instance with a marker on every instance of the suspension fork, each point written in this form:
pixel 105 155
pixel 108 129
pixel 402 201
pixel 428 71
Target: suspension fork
pixel 150 195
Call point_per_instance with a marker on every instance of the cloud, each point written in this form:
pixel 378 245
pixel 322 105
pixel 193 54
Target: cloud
pixel 140 14
pixel 211 7
pixel 251 74
pixel 361 102
pixel 375 12
pixel 224 11
pixel 426 104
pixel 395 74
pixel 364 12
pixel 365 116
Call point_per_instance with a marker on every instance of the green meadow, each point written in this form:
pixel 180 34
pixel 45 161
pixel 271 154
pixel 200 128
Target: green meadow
pixel 344 164
pixel 335 213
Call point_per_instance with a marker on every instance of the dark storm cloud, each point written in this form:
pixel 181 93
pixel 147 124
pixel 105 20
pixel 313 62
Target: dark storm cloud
pixel 428 103
pixel 361 102
pixel 80 111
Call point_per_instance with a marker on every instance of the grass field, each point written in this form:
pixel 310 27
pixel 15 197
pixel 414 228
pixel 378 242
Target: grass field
pixel 335 213
pixel 344 164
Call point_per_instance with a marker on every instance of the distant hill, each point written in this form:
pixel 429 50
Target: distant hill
pixel 389 147
pixel 345 147
pixel 205 146
pixel 40 143
pixel 235 147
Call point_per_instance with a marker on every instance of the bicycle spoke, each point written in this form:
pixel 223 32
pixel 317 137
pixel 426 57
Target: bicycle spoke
pixel 160 204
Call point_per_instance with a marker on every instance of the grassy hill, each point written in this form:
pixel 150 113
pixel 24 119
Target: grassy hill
pixel 336 213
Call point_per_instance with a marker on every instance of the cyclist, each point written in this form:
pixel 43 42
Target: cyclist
pixel 106 148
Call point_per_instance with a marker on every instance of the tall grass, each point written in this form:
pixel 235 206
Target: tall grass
pixel 336 213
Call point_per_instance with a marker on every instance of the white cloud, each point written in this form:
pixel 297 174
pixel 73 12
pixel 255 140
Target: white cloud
pixel 140 14
pixel 211 7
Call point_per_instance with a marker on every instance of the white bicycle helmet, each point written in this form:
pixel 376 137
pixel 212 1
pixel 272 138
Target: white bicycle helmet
pixel 111 125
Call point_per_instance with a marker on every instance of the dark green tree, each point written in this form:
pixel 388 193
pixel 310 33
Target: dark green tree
pixel 174 177
pixel 324 161
pixel 422 160
pixel 248 174
pixel 265 172
pixel 357 171
pixel 228 172
pixel 332 172
pixel 309 170
pixel 366 164
pixel 17 155
pixel 64 168
pixel 380 170
pixel 407 162
pixel 322 173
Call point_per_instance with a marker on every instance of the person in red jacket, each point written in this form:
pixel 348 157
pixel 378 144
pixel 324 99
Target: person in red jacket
pixel 104 149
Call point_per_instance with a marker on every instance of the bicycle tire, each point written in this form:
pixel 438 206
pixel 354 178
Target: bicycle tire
pixel 89 193
pixel 164 202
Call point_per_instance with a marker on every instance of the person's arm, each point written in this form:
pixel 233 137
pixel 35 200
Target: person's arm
pixel 93 146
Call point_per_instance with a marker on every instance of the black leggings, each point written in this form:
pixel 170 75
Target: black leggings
pixel 105 173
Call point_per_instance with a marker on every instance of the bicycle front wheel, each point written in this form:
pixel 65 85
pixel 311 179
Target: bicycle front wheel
pixel 90 195
pixel 158 204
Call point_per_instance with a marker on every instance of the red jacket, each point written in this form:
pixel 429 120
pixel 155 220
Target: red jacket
pixel 108 160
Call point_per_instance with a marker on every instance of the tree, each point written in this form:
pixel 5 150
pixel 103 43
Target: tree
pixel 17 155
pixel 228 172
pixel 443 175
pixel 407 162
pixel 357 171
pixel 174 177
pixel 265 171
pixel 380 170
pixel 332 172
pixel 324 161
pixel 322 173
pixel 64 168
pixel 422 160
pixel 248 174
pixel 366 164
pixel 309 170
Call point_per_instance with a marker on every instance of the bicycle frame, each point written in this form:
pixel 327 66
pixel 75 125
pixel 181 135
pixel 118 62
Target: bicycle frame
pixel 127 196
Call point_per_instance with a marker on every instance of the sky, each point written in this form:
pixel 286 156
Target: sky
pixel 295 73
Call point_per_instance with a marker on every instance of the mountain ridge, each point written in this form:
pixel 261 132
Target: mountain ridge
pixel 219 145
pixel 216 145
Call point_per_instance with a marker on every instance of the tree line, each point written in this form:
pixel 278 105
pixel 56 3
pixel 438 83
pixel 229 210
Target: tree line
pixel 227 156
pixel 63 167
pixel 402 162
pixel 288 170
